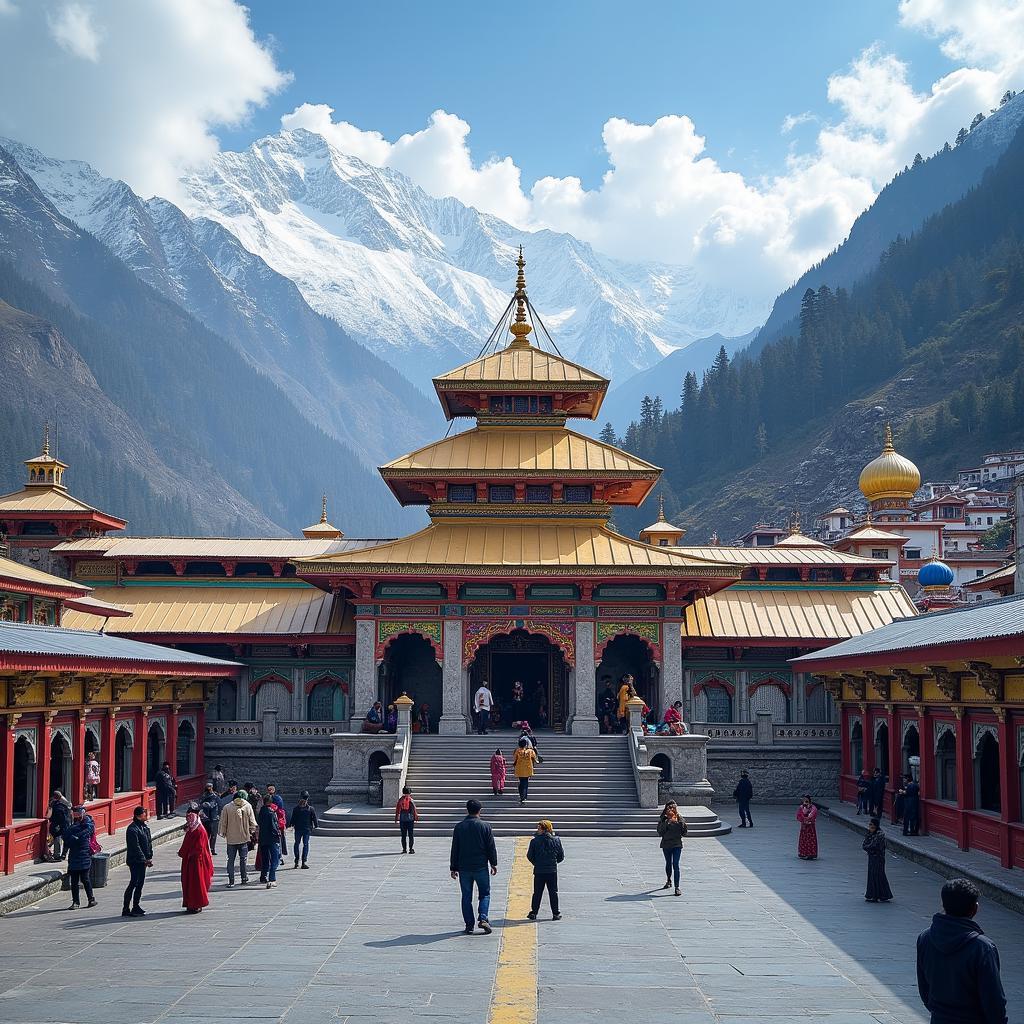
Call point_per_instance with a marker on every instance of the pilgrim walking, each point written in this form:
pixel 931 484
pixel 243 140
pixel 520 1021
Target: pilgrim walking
pixel 499 769
pixel 545 853
pixel 878 890
pixel 80 840
pixel 406 817
pixel 523 767
pixel 807 841
pixel 196 864
pixel 744 793
pixel 671 828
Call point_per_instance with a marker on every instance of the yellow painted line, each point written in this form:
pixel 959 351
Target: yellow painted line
pixel 514 1000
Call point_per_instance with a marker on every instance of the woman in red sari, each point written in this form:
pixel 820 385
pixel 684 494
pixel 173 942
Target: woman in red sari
pixel 807 843
pixel 196 864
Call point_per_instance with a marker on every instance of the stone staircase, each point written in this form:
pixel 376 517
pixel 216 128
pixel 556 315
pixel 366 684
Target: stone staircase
pixel 585 786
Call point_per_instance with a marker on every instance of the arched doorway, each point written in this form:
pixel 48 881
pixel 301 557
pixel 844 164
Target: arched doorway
pixel 326 701
pixel 628 654
pixel 882 748
pixel 856 749
pixel 271 691
pixel 537 664
pixel 60 764
pixel 226 705
pixel 945 766
pixel 24 778
pixel 911 748
pixel 986 774
pixel 123 745
pixel 185 749
pixel 770 697
pixel 155 744
pixel 712 702
pixel 410 666
pixel 819 704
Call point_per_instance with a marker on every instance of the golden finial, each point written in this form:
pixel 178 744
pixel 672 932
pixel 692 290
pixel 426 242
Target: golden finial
pixel 323 509
pixel 794 523
pixel 519 327
pixel 888 446
pixel 46 440
pixel 661 508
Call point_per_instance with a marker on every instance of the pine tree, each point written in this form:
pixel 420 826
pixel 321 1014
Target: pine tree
pixel 608 435
pixel 978 118
pixel 918 160
pixel 961 136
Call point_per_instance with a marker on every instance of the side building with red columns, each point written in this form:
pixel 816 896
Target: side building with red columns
pixel 66 693
pixel 940 696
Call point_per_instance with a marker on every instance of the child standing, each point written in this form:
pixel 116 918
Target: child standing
pixel 406 817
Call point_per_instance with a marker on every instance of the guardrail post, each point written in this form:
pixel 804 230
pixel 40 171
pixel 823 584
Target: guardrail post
pixel 765 730
pixel 269 725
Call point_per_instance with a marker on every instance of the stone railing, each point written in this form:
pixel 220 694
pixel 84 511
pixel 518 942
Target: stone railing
pixel 725 733
pixel 309 730
pixel 763 732
pixel 269 730
pixel 393 775
pixel 804 733
pixel 244 732
pixel 354 753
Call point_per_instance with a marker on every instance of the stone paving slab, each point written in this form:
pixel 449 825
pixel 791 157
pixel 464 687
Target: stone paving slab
pixel 759 937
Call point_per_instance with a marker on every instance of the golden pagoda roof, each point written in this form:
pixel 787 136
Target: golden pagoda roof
pixel 45 499
pixel 777 612
pixel 322 529
pixel 662 525
pixel 782 555
pixel 518 450
pixel 890 475
pixel 513 367
pixel 515 547
pixel 246 548
pixel 868 532
pixel 13 573
pixel 286 610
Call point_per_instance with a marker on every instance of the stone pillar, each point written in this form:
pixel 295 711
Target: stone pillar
pixel 298 696
pixel 741 706
pixel 269 725
pixel 765 732
pixel 140 750
pixel 636 707
pixel 171 741
pixel 453 682
pixel 584 720
pixel 799 698
pixel 364 684
pixel 672 664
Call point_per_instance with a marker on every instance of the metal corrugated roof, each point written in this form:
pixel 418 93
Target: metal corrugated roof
pixel 184 610
pixel 520 450
pixel 23 638
pixel 252 548
pixel 987 620
pixel 453 547
pixel 18 573
pixel 43 499
pixel 784 613
pixel 1000 575
pixel 775 555
pixel 518 365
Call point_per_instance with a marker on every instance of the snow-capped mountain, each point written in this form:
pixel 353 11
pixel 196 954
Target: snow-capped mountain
pixel 332 380
pixel 421 280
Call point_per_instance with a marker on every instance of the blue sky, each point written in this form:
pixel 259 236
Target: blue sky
pixel 538 80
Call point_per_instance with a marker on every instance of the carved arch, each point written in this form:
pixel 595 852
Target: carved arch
pixel 770 680
pixel 478 633
pixel 270 677
pixel 648 632
pixel 981 730
pixel 325 677
pixel 714 681
pixel 941 728
pixel 389 631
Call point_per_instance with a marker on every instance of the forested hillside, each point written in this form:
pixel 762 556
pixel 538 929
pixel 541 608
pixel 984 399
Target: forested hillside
pixel 933 339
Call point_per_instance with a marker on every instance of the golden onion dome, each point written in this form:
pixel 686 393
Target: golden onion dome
pixel 890 475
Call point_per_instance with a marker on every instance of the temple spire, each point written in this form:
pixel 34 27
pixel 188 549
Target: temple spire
pixel 888 446
pixel 520 328
pixel 323 509
pixel 794 523
pixel 46 439
pixel 661 508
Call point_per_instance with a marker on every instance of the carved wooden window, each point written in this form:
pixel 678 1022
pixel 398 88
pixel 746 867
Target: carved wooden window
pixel 578 494
pixel 501 493
pixel 462 493
pixel 539 493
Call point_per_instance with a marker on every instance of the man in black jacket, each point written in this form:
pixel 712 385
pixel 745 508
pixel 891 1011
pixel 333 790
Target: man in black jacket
pixel 269 842
pixel 303 820
pixel 473 850
pixel 744 793
pixel 545 854
pixel 166 791
pixel 876 792
pixel 209 814
pixel 958 964
pixel 139 856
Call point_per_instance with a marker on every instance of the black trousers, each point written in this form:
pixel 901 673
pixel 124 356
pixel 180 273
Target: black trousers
pixel 211 833
pixel 164 802
pixel 407 828
pixel 524 788
pixel 539 883
pixel 83 877
pixel 745 812
pixel 133 893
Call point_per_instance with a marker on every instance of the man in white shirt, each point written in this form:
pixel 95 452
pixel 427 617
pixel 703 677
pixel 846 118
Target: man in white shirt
pixel 482 703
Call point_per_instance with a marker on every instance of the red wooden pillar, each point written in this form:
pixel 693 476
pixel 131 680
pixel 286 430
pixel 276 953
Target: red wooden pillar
pixel 6 773
pixel 43 765
pixel 171 746
pixel 139 750
pixel 201 740
pixel 107 760
pixel 895 758
pixel 1007 785
pixel 77 793
pixel 926 770
pixel 964 778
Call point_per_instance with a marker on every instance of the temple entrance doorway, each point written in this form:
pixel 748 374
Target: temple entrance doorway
pixel 410 667
pixel 534 662
pixel 629 654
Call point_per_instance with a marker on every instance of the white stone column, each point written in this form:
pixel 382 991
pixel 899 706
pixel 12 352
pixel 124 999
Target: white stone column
pixel 364 684
pixel 799 698
pixel 453 682
pixel 242 701
pixel 741 709
pixel 584 721
pixel 671 664
pixel 298 695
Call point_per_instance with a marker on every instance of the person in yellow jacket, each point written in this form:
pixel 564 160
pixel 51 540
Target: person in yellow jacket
pixel 524 759
pixel 626 693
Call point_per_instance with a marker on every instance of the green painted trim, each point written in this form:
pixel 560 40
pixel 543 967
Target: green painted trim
pixel 786 585
pixel 220 581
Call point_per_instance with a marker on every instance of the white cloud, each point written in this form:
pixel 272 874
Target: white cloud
pixel 8 8
pixel 791 121
pixel 985 32
pixel 156 78
pixel 72 28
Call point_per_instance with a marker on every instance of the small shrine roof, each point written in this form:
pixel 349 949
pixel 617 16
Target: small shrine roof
pixel 1001 576
pixel 516 548
pixel 511 367
pixel 14 574
pixel 777 612
pixel 287 610
pixel 872 533
pixel 47 499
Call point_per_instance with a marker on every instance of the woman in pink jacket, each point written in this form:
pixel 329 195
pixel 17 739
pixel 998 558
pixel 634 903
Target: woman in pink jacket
pixel 807 843
pixel 498 771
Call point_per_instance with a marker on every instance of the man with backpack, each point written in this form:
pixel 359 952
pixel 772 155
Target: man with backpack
pixel 406 817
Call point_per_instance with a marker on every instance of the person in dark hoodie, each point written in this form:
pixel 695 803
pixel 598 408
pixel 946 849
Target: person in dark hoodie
pixel 744 793
pixel 209 814
pixel 269 839
pixel 139 856
pixel 473 850
pixel 166 792
pixel 303 820
pixel 545 853
pixel 958 964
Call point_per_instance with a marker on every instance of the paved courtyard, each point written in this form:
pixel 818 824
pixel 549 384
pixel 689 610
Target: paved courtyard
pixel 367 933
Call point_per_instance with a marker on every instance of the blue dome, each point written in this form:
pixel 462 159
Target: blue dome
pixel 935 574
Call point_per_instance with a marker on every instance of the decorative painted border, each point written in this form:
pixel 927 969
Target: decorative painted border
pixel 477 633
pixel 626 611
pixel 649 632
pixel 270 676
pixel 388 630
pixel 487 609
pixel 408 609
